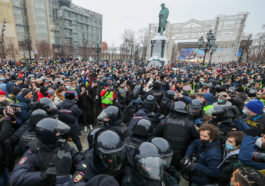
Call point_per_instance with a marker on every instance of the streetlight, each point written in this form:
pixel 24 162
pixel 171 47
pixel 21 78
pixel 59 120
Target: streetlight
pixel 210 45
pixel 2 41
pixel 98 48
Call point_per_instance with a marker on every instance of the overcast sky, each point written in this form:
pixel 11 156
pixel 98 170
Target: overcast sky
pixel 119 15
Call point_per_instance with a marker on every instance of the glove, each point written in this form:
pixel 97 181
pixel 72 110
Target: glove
pixel 49 176
pixel 185 161
pixel 192 167
pixel 63 162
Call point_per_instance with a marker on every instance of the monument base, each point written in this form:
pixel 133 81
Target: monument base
pixel 158 51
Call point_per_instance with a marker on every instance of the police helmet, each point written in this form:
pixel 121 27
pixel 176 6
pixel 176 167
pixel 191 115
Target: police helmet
pixel 252 92
pixel 171 94
pixel 136 91
pixel 110 149
pixel 47 104
pixel 36 116
pixel 196 107
pixel 149 162
pixel 49 130
pixel 143 128
pixel 122 93
pixel 180 107
pixel 157 85
pixel 112 113
pixel 164 149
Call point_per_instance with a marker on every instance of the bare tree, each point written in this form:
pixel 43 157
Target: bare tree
pixel 128 44
pixel 11 50
pixel 43 48
pixel 258 46
pixel 142 39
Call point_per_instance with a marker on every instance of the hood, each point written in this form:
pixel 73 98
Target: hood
pixel 67 103
pixel 209 98
pixel 140 112
pixel 9 87
pixel 20 98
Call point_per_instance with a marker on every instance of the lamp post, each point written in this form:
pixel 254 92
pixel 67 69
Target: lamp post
pixel 210 45
pixel 2 40
pixel 98 48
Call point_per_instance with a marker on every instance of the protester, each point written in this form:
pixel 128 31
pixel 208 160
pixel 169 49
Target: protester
pixel 175 103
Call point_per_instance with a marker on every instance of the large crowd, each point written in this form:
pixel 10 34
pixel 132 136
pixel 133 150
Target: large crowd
pixel 182 123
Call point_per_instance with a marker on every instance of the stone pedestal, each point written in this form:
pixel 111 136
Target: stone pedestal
pixel 158 51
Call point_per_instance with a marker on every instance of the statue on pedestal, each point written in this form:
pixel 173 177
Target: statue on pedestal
pixel 163 15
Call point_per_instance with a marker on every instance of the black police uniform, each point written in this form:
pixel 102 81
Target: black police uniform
pixel 34 168
pixel 178 131
pixel 106 157
pixel 167 102
pixel 113 114
pixel 142 132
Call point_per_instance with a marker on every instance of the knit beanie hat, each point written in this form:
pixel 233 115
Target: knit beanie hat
pixel 25 92
pixel 255 106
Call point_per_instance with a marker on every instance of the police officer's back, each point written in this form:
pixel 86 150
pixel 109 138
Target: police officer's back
pixel 178 131
pixel 142 131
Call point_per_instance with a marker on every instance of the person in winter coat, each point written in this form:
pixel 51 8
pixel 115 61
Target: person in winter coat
pixel 59 95
pixel 208 151
pixel 5 132
pixel 230 161
pixel 24 103
pixel 84 103
pixel 251 145
pixel 69 113
pixel 43 93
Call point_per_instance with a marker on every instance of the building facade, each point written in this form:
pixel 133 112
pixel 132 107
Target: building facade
pixel 8 36
pixel 74 30
pixel 42 28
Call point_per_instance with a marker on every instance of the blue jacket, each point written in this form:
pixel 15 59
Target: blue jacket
pixel 25 109
pixel 247 148
pixel 208 160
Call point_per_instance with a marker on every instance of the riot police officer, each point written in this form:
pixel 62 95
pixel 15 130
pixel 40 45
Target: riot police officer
pixel 196 111
pixel 28 131
pixel 166 153
pixel 48 105
pixel 110 119
pixel 91 136
pixel 149 168
pixel 151 108
pixel 178 131
pixel 156 91
pixel 49 159
pixel 142 132
pixel 106 156
pixel 167 102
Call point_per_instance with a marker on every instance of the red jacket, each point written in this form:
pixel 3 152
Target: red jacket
pixel 40 95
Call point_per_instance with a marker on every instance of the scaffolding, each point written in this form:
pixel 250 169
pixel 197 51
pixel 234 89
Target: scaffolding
pixel 228 30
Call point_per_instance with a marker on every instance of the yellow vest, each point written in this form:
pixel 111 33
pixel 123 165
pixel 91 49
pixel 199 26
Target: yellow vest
pixel 106 99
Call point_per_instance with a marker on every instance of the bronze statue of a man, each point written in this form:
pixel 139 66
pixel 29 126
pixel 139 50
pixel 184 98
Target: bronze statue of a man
pixel 163 15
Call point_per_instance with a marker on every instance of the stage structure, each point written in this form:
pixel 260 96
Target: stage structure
pixel 228 30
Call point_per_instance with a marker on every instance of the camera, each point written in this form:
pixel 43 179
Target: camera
pixel 227 112
pixel 258 157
